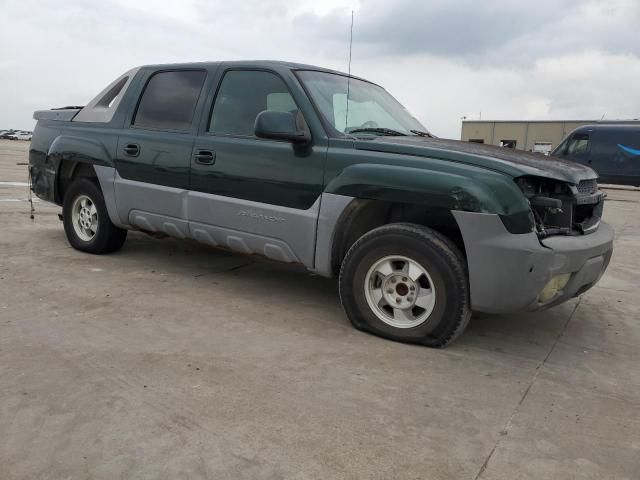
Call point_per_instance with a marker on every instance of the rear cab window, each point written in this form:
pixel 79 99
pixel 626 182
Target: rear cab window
pixel 169 100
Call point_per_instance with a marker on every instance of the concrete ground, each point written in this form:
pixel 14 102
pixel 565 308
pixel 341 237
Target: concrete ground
pixel 172 360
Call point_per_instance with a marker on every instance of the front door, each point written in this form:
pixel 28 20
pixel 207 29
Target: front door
pixel 578 148
pixel 250 194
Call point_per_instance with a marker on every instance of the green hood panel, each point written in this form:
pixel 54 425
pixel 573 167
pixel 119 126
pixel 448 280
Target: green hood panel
pixel 511 162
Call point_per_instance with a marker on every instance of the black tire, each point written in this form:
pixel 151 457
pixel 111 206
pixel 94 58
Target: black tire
pixel 107 238
pixel 446 268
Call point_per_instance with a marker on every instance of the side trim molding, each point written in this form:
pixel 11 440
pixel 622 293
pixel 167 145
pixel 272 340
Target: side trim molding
pixel 287 234
pixel 243 242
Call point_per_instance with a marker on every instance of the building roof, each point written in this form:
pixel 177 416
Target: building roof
pixel 633 121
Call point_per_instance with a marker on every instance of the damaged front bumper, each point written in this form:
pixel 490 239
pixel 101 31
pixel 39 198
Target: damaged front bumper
pixel 514 272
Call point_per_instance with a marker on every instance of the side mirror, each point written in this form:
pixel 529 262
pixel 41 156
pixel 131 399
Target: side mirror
pixel 280 126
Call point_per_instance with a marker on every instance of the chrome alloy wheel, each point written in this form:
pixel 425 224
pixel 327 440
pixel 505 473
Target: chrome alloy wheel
pixel 400 292
pixel 84 218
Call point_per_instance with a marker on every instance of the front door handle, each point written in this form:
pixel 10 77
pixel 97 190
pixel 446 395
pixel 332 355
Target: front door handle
pixel 205 157
pixel 132 149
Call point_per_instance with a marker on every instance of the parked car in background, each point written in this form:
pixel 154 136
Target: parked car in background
pixel 15 135
pixel 21 136
pixel 613 151
pixel 6 134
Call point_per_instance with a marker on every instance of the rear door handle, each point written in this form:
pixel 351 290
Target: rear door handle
pixel 132 149
pixel 205 157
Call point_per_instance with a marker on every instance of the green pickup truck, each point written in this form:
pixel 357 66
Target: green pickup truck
pixel 306 165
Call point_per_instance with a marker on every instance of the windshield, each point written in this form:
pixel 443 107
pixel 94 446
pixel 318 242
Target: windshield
pixel 369 110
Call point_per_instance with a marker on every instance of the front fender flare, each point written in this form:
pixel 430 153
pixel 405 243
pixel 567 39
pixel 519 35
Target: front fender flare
pixel 480 191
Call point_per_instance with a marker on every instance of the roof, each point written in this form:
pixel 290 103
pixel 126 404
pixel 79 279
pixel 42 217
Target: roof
pixel 608 126
pixel 274 64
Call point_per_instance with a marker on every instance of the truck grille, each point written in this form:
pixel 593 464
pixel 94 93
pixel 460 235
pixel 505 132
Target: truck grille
pixel 586 187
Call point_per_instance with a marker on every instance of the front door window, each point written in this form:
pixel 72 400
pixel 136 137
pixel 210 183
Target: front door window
pixel 242 95
pixel 578 145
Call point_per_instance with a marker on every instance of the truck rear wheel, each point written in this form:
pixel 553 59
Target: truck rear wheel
pixel 407 283
pixel 86 220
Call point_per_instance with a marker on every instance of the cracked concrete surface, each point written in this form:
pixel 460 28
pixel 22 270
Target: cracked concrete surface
pixel 172 360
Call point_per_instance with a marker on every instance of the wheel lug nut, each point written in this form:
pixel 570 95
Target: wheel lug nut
pixel 404 279
pixel 394 280
pixel 410 299
pixel 412 288
pixel 398 300
pixel 390 290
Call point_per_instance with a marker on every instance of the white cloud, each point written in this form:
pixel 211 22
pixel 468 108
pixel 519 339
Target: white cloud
pixel 443 60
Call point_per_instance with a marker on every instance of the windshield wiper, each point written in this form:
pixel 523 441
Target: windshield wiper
pixel 420 133
pixel 382 131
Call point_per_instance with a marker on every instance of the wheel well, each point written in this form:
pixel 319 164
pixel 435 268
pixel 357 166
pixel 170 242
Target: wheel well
pixel 362 216
pixel 70 171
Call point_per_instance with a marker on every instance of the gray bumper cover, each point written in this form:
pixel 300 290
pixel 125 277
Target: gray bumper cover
pixel 507 271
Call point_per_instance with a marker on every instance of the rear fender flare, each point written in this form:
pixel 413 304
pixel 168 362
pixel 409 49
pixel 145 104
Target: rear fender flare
pixel 80 150
pixel 77 150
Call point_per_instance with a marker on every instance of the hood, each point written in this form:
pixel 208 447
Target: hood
pixel 505 160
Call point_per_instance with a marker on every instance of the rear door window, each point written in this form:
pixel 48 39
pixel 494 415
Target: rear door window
pixel 169 100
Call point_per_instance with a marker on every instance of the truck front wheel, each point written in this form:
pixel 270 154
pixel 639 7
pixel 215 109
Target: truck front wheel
pixel 408 283
pixel 86 220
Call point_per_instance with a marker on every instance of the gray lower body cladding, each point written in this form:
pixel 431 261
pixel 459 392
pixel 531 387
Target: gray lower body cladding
pixel 507 272
pixel 280 233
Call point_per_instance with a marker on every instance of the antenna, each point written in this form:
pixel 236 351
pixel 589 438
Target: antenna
pixel 350 42
pixel 346 120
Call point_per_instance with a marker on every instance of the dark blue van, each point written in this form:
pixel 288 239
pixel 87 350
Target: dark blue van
pixel 612 150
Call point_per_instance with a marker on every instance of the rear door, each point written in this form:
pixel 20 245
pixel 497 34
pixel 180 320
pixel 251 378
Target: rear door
pixel 616 154
pixel 154 151
pixel 250 194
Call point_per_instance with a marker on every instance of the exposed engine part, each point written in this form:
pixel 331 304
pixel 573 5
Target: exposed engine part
pixel 563 209
pixel 554 204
